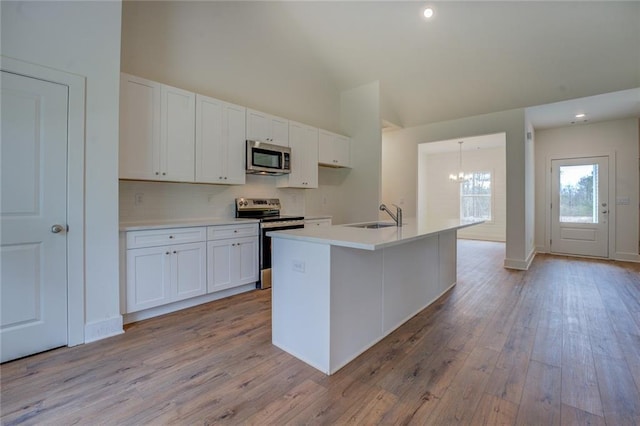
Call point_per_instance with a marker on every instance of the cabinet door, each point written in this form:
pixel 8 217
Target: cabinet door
pixel 139 155
pixel 258 126
pixel 219 255
pixel 211 151
pixel 246 260
pixel 220 141
pixel 267 128
pixel 342 150
pixel 234 119
pixel 303 140
pixel 311 157
pixel 189 270
pixel 177 135
pixel 279 131
pixel 148 278
pixel 334 150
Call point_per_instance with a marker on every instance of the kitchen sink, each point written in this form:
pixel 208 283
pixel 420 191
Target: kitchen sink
pixel 372 225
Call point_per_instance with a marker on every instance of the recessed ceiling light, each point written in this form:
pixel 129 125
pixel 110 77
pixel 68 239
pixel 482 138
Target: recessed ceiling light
pixel 580 115
pixel 428 12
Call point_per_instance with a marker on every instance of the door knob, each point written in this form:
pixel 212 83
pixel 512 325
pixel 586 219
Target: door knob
pixel 605 211
pixel 56 229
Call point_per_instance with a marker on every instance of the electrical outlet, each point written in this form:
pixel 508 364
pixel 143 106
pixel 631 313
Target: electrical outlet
pixel 298 265
pixel 138 198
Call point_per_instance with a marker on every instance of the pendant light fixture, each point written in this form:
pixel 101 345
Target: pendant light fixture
pixel 460 176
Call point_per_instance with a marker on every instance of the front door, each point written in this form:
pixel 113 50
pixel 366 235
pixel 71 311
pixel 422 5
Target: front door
pixel 580 206
pixel 33 212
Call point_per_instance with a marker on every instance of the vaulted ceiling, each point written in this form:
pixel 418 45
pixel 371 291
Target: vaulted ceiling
pixel 471 57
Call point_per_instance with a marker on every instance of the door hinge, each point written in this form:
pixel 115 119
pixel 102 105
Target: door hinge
pixel 550 242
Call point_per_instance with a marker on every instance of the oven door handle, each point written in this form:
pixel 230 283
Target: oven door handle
pixel 292 224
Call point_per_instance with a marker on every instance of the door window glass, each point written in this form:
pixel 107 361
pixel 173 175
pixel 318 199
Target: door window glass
pixel 579 194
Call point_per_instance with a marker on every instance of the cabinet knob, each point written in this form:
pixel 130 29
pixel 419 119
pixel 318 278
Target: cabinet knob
pixel 167 253
pixel 225 178
pixel 174 252
pixel 220 178
pixel 171 236
pixel 164 174
pixel 157 173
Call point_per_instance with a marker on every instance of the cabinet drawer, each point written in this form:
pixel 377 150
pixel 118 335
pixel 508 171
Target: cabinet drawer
pixel 314 223
pixel 160 237
pixel 232 231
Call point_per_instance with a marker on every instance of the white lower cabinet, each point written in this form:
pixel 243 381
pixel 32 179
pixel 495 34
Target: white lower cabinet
pixel 165 274
pixel 169 265
pixel 232 262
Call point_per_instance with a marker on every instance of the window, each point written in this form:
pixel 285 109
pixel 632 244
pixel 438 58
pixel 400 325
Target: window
pixel 475 197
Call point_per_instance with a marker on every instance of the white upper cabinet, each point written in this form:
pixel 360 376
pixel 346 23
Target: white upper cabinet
pixel 177 137
pixel 334 150
pixel 303 141
pixel 220 141
pixel 157 131
pixel 267 128
pixel 139 128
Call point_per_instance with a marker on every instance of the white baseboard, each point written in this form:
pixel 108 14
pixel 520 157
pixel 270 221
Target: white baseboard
pixel 541 249
pixel 187 303
pixel 521 265
pixel 627 257
pixel 99 330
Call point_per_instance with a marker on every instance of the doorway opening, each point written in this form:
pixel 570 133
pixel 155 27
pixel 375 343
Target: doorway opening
pixel 479 193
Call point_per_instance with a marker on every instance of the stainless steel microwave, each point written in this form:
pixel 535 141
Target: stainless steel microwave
pixel 268 159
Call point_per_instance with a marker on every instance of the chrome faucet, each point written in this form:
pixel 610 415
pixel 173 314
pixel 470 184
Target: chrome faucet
pixel 396 217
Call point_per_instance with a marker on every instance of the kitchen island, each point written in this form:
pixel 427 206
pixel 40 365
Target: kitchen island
pixel 339 290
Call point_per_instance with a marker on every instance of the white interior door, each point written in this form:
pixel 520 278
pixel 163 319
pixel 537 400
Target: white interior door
pixel 33 212
pixel 580 206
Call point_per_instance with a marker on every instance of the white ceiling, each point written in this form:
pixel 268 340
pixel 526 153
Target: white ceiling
pixel 473 57
pixel 496 140
pixel 609 106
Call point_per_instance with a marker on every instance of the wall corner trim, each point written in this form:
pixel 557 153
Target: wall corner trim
pixel 102 329
pixel 627 257
pixel 521 265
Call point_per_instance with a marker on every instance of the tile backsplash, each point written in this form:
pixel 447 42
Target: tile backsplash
pixel 140 200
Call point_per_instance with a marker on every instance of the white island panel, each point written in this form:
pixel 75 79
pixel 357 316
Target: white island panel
pixel 411 280
pixel 356 303
pixel 300 300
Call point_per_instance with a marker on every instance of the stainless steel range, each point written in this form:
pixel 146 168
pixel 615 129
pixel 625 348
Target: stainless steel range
pixel 267 211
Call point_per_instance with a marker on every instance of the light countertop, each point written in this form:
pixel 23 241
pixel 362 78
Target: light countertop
pixel 372 239
pixel 181 223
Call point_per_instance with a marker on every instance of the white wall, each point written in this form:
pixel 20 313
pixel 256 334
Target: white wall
pixel 353 195
pixel 619 138
pixel 443 196
pixel 400 170
pixel 83 38
pixel 174 201
pixel 216 49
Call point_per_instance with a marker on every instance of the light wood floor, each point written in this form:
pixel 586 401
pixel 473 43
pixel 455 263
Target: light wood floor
pixel 559 344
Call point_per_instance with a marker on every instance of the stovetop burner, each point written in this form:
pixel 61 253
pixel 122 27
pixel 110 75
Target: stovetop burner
pixel 264 209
